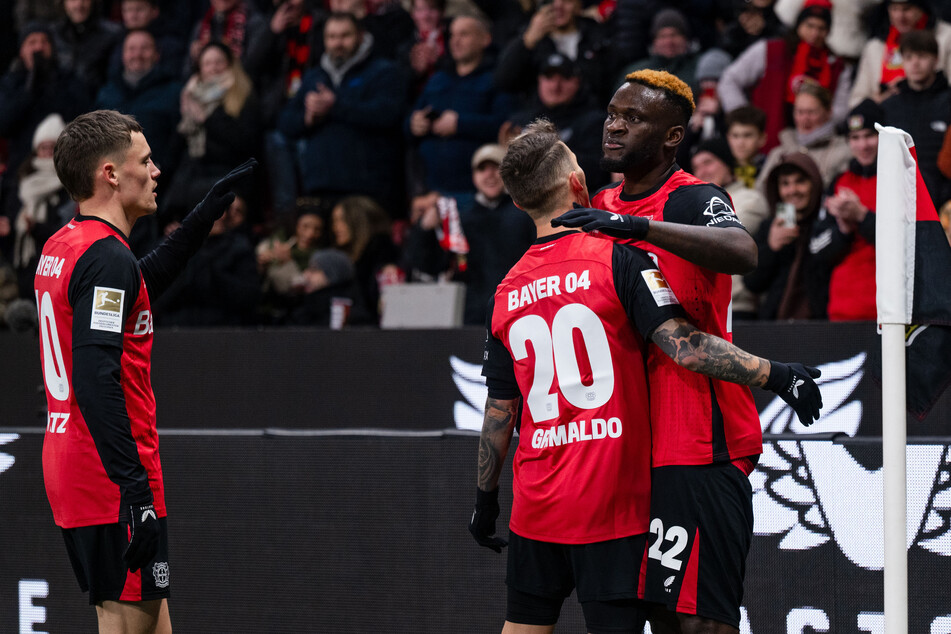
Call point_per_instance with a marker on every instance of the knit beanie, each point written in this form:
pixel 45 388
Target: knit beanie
pixel 335 265
pixel 718 147
pixel 48 130
pixel 670 18
pixel 712 64
pixel 821 9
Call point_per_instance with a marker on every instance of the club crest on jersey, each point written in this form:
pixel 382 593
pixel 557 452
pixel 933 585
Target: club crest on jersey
pixel 719 211
pixel 659 288
pixel 107 309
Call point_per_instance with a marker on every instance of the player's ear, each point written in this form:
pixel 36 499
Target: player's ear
pixel 579 188
pixel 109 172
pixel 675 134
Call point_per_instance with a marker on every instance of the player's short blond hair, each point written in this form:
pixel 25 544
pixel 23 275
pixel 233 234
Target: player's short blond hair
pixel 672 86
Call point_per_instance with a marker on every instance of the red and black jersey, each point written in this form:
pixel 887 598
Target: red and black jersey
pixel 566 330
pixel 694 419
pixel 100 451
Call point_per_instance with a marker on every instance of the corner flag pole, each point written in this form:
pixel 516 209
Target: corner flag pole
pixel 894 272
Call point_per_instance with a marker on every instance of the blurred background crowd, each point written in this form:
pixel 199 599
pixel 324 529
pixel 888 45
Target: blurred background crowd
pixel 381 125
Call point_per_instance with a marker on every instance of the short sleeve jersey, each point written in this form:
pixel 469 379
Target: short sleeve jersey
pixel 90 291
pixel 573 341
pixel 694 419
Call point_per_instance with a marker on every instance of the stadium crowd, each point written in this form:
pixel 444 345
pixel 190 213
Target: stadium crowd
pixel 381 125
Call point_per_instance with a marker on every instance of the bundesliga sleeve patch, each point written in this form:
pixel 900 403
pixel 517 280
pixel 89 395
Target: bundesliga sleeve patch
pixel 659 288
pixel 107 309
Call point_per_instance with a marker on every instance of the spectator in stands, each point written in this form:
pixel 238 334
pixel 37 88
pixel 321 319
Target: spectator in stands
pixel 843 237
pixel 560 98
pixel 558 27
pixel 281 260
pixel 43 11
pixel 45 205
pixel 494 232
pixel 386 20
pixel 706 122
pixel 361 229
pixel 849 30
pixel 880 68
pixel 714 163
pixel 922 108
pixel 277 61
pixel 146 89
pixel 34 87
pixel 633 18
pixel 788 286
pixel 220 122
pixel 220 285
pixel 813 133
pixel 146 15
pixel 746 134
pixel 84 42
pixel 328 278
pixel 753 20
pixel 348 113
pixel 428 46
pixel 458 110
pixel 769 73
pixel 233 22
pixel 671 49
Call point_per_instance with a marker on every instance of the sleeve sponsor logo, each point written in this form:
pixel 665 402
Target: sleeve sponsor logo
pixel 107 309
pixel 659 288
pixel 719 211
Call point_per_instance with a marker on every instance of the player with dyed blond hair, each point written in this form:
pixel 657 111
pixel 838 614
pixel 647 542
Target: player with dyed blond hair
pixel 706 432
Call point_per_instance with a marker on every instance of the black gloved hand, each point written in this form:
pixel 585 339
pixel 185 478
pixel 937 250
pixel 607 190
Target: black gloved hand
pixel 220 196
pixel 482 524
pixel 794 384
pixel 623 226
pixel 144 539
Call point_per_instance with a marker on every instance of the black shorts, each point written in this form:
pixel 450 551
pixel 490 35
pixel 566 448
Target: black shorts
pixel 96 555
pixel 604 575
pixel 700 534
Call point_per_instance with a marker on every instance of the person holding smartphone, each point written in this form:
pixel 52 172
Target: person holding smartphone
pixel 790 285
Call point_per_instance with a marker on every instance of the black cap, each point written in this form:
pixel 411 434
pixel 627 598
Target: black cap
pixel 864 116
pixel 558 63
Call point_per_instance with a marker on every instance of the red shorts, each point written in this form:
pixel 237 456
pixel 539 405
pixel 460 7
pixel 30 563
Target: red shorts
pixel 700 534
pixel 96 555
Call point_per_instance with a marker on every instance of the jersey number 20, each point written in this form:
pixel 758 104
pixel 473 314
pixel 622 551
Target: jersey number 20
pixel 555 351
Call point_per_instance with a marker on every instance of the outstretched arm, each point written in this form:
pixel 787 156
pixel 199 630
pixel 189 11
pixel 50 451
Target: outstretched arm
pixel 710 355
pixel 729 250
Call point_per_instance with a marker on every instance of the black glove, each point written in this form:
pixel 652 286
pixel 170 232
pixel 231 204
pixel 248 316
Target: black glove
pixel 144 531
pixel 220 196
pixel 623 226
pixel 794 383
pixel 482 524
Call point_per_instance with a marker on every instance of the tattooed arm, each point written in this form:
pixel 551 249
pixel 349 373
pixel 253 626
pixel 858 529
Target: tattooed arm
pixel 497 429
pixel 708 354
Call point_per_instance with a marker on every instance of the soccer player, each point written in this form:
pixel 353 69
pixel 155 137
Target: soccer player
pixel 704 431
pixel 100 454
pixel 565 341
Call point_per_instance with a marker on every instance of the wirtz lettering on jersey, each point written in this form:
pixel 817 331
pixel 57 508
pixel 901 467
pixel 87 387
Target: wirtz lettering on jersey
pixel 50 266
pixel 576 431
pixel 548 287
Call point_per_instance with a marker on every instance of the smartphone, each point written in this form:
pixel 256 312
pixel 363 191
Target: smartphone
pixel 787 213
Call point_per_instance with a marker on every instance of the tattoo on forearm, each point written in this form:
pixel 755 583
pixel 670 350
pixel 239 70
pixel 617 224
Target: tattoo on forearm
pixel 708 354
pixel 497 428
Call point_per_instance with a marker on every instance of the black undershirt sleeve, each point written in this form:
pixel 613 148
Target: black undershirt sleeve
pixel 497 365
pixel 703 205
pixel 163 264
pixel 646 307
pixel 97 363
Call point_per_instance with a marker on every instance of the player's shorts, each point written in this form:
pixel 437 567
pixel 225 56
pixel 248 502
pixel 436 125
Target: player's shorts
pixel 700 534
pixel 604 575
pixel 96 555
